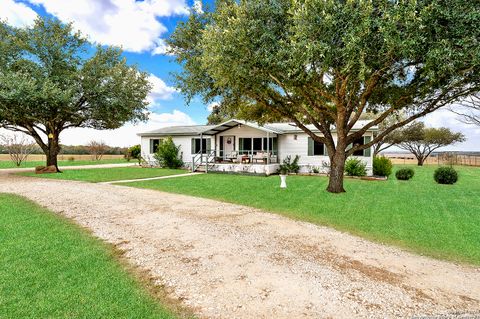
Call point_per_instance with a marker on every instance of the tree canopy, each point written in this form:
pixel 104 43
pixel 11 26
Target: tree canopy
pixel 327 62
pixel 421 141
pixel 51 79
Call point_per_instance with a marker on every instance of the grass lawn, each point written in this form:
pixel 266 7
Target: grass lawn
pixel 51 268
pixel 438 220
pixel 109 174
pixel 10 164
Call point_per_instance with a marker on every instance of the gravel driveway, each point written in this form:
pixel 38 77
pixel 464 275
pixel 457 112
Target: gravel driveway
pixel 231 261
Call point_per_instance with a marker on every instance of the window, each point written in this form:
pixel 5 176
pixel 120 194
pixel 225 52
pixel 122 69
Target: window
pixel 356 143
pixel 204 146
pixel 362 141
pixel 245 145
pixel 316 148
pixel 257 145
pixel 154 145
pixel 272 148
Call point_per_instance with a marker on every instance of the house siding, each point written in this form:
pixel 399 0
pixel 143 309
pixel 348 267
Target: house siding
pixel 288 146
pixel 185 143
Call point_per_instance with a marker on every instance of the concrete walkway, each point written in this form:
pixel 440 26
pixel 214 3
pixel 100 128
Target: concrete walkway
pixel 150 178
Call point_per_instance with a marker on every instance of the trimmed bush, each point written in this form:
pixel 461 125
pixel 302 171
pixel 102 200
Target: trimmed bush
pixel 404 174
pixel 167 154
pixel 355 167
pixel 382 166
pixel 445 175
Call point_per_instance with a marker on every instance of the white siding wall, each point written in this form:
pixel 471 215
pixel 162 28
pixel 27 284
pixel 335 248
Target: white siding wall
pixel 185 143
pixel 287 145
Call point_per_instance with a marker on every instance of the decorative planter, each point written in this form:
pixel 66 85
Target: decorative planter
pixel 283 181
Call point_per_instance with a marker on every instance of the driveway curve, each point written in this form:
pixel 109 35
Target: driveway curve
pixel 231 261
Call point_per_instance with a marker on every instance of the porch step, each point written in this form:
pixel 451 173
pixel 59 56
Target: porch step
pixel 201 168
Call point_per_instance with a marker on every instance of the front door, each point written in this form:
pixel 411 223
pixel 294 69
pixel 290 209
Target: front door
pixel 228 145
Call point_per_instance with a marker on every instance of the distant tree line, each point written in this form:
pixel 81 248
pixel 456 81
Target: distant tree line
pixel 75 150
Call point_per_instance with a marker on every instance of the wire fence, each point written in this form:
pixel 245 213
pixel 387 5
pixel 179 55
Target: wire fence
pixel 445 158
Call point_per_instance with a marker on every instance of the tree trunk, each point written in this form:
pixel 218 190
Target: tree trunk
pixel 337 166
pixel 420 161
pixel 52 151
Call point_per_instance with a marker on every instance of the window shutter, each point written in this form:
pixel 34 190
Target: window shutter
pixel 193 146
pixel 325 150
pixel 151 146
pixel 209 144
pixel 310 146
pixel 367 152
pixel 240 144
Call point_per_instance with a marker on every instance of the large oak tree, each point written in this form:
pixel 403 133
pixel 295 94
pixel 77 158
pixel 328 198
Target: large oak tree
pixel 52 79
pixel 327 62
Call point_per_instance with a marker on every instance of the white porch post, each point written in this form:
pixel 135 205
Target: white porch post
pixel 201 148
pixel 268 147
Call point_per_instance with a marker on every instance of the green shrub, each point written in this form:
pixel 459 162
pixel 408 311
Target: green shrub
pixel 382 166
pixel 289 166
pixel 404 174
pixel 445 175
pixel 355 167
pixel 167 154
pixel 134 152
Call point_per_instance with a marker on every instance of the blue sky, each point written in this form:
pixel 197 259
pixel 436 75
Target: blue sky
pixel 140 28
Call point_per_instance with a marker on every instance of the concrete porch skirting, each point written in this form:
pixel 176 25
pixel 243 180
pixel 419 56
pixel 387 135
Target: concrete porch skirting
pixel 261 169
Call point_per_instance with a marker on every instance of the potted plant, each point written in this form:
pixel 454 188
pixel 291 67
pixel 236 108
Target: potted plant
pixel 283 171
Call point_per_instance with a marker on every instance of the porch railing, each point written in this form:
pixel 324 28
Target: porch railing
pixel 200 158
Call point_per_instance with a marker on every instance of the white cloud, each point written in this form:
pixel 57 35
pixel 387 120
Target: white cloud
pixel 444 118
pixel 131 24
pixel 17 14
pixel 160 90
pixel 197 6
pixel 127 134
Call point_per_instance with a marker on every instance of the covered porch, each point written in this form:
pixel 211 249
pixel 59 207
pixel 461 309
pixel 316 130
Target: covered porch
pixel 237 146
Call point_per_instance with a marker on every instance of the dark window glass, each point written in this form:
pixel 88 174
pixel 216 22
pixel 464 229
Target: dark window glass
pixel 272 148
pixel 318 148
pixel 358 142
pixel 247 145
pixel 257 144
pixel 204 145
pixel 155 144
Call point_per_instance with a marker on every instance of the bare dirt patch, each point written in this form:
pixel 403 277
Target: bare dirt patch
pixel 231 261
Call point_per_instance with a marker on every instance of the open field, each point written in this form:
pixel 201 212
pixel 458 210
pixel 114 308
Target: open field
pixel 51 268
pixel 109 174
pixel 437 220
pixel 9 164
pixel 459 159
pixel 63 157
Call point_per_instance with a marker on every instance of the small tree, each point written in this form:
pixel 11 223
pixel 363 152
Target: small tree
pixel 19 147
pixel 97 149
pixel 167 154
pixel 134 152
pixel 422 141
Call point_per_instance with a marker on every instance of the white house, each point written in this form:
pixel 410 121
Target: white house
pixel 240 146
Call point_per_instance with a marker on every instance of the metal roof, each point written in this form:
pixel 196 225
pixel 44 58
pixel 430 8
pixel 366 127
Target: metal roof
pixel 276 128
